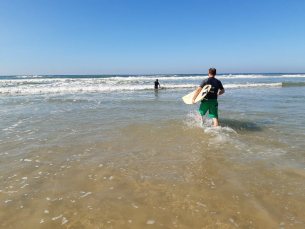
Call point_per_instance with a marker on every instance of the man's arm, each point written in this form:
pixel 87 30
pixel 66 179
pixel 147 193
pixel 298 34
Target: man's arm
pixel 221 92
pixel 196 94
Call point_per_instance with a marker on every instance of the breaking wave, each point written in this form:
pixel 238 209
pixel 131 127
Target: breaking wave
pixel 32 87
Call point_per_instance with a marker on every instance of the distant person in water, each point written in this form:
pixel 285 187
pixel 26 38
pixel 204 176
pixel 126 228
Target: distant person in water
pixel 157 84
pixel 210 102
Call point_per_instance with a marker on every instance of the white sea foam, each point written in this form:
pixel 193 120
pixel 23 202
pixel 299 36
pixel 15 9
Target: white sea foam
pixel 216 134
pixel 170 77
pixel 29 76
pixel 89 87
pixel 252 85
pixel 192 120
pixel 41 85
pixel 77 88
pixel 293 76
pixel 57 217
pixel 258 76
pixel 129 80
pixel 64 220
pixel 86 194
pixel 201 204
pixel 135 205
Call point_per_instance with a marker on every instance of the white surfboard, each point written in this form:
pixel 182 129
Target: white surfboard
pixel 188 99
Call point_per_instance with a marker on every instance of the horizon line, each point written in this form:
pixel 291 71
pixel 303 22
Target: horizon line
pixel 152 74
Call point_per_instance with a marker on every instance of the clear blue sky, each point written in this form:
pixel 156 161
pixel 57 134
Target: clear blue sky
pixel 151 37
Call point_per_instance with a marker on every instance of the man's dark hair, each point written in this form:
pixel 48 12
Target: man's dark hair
pixel 212 71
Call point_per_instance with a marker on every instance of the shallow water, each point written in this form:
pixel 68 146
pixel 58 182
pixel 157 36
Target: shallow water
pixel 140 159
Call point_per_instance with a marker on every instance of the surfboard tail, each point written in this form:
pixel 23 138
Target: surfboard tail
pixel 186 100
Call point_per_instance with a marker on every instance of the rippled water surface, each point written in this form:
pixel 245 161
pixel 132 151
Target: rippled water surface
pixel 79 153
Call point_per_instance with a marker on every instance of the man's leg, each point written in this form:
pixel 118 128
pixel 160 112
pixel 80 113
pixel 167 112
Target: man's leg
pixel 199 116
pixel 203 109
pixel 213 112
pixel 215 121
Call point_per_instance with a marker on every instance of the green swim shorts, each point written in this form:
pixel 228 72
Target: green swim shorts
pixel 211 105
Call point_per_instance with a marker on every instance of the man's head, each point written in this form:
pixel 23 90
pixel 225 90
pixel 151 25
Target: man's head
pixel 157 80
pixel 212 71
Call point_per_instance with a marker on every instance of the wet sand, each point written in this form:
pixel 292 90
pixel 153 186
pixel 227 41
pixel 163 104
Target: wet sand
pixel 151 179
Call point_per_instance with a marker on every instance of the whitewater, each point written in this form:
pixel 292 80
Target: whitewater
pixel 90 84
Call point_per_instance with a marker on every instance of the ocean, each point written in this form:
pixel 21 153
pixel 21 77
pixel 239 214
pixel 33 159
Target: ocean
pixel 99 151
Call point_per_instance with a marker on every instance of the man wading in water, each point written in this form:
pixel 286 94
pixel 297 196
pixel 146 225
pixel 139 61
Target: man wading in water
pixel 210 102
pixel 156 84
